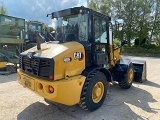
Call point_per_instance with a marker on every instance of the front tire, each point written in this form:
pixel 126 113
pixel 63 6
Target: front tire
pixel 129 77
pixel 94 91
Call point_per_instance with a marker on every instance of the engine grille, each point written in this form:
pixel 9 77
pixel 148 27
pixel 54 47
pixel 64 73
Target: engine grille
pixel 42 67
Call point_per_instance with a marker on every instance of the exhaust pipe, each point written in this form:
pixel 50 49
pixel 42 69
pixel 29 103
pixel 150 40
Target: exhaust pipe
pixel 38 41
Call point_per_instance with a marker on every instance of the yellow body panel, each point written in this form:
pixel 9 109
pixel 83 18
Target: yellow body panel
pixel 66 91
pixel 114 55
pixel 2 65
pixel 75 67
pixel 59 52
pixel 68 81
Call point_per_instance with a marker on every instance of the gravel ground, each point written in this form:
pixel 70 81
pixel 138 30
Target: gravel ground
pixel 140 102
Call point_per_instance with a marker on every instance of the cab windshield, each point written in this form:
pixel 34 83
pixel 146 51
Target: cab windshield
pixel 71 28
pixel 36 27
pixel 33 27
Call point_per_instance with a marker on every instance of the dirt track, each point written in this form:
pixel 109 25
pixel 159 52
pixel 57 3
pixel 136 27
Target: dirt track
pixel 140 102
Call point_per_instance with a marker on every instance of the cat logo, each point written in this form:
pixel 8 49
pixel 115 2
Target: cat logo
pixel 78 55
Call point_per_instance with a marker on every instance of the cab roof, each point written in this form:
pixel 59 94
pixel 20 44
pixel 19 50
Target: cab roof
pixel 75 10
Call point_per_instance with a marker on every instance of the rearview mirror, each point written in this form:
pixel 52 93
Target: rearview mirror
pixel 123 42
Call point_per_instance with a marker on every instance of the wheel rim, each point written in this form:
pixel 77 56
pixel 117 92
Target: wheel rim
pixel 97 92
pixel 130 75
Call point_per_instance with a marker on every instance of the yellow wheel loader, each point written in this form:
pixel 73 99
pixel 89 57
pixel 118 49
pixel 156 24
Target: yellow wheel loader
pixel 76 67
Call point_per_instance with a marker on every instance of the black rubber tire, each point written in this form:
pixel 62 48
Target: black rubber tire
pixel 124 83
pixel 86 101
pixel 30 45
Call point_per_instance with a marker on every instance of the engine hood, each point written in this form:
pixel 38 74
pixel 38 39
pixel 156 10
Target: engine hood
pixel 68 58
pixel 50 50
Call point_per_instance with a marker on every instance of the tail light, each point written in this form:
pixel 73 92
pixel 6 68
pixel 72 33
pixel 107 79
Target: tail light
pixel 51 77
pixel 51 89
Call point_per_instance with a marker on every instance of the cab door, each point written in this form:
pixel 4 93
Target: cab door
pixel 100 42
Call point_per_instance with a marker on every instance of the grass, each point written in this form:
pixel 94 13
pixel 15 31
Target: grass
pixel 145 50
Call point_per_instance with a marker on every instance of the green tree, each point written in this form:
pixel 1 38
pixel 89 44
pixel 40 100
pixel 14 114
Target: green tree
pixel 126 11
pixel 155 24
pixel 140 17
pixel 3 9
pixel 102 6
pixel 144 10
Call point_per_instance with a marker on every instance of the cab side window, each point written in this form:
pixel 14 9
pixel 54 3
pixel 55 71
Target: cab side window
pixel 100 30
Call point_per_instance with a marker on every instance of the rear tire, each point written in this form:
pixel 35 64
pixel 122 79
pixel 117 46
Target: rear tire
pixel 129 77
pixel 94 91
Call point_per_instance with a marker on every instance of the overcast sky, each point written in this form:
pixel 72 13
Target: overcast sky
pixel 38 9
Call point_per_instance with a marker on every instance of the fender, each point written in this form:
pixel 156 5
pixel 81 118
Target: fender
pixel 91 69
